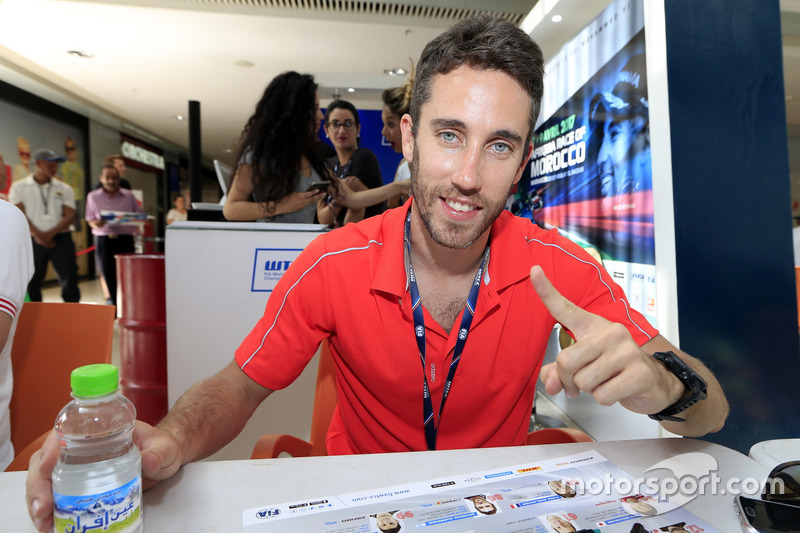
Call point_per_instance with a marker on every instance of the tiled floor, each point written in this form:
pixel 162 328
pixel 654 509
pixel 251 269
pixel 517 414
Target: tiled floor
pixel 547 413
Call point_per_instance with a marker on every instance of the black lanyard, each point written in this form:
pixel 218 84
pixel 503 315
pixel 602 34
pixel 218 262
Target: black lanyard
pixel 431 427
pixel 345 169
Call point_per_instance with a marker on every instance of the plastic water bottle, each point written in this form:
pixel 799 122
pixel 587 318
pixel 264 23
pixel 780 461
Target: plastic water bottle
pixel 97 481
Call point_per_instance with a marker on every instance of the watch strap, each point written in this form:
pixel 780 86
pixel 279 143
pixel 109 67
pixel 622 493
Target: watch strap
pixel 693 382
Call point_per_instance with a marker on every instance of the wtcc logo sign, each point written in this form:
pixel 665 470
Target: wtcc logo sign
pixel 269 265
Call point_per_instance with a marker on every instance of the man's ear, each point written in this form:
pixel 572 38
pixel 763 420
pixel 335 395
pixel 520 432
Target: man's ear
pixel 408 137
pixel 525 159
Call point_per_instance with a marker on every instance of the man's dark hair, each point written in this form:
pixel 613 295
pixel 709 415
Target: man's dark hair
pixel 486 43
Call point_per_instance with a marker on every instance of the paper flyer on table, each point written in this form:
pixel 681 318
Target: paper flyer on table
pixel 585 493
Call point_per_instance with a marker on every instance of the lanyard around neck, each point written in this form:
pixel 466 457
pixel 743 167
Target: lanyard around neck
pixel 342 171
pixel 431 426
pixel 45 196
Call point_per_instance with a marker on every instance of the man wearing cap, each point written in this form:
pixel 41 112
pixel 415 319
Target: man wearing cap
pixel 49 206
pixel 111 239
pixel 621 120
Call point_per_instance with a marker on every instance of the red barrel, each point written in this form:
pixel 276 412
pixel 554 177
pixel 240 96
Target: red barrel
pixel 143 333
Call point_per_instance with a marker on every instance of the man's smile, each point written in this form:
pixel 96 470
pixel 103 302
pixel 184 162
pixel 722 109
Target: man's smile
pixel 458 206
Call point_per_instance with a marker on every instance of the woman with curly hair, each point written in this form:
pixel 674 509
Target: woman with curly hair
pixel 396 102
pixel 277 160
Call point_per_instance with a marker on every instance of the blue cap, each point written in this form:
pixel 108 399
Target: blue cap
pixel 44 154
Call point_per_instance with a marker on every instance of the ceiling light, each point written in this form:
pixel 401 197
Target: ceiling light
pixel 351 89
pixel 556 18
pixel 177 117
pixel 244 63
pixel 394 71
pixel 80 53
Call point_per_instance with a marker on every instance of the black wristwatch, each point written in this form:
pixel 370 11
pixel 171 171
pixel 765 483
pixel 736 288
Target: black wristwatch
pixel 697 387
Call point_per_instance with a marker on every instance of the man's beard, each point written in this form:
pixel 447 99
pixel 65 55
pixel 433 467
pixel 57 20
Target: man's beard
pixel 446 232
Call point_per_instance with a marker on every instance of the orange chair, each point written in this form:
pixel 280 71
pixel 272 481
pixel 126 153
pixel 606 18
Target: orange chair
pixel 21 459
pixel 51 340
pixel 270 446
pixel 557 436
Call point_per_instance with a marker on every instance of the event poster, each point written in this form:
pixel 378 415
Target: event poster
pixel 590 173
pixel 584 493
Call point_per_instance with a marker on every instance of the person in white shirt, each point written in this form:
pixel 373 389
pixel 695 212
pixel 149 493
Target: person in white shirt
pixel 49 206
pixel 16 269
pixel 178 212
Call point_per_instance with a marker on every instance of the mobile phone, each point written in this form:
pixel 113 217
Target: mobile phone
pixel 319 185
pixel 759 516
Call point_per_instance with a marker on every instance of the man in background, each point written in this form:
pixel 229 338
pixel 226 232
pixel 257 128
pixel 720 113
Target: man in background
pixel 118 162
pixel 16 269
pixel 110 239
pixel 49 205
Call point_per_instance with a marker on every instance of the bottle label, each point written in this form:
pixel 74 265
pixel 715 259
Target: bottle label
pixel 118 510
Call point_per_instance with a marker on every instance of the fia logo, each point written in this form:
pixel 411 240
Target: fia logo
pixel 267 513
pixel 420 331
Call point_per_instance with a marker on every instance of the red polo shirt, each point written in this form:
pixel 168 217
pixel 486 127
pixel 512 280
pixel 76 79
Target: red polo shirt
pixel 350 286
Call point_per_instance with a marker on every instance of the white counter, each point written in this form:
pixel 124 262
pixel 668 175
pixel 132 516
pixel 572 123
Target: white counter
pixel 219 276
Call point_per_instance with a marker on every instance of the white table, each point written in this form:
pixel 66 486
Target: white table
pixel 210 496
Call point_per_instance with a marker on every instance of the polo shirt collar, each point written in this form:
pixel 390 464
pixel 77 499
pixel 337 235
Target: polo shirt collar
pixel 390 272
pixel 509 260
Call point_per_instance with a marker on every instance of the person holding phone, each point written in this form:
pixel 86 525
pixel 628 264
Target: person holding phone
pixel 356 165
pixel 278 160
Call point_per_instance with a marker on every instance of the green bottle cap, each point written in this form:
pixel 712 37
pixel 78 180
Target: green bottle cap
pixel 94 380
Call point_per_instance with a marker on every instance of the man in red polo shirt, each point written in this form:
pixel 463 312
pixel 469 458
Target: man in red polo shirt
pixel 438 312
